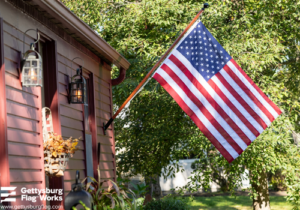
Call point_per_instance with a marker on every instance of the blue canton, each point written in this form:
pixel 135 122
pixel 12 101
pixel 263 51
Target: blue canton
pixel 203 51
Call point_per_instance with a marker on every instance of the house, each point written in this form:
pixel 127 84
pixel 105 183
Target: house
pixel 63 37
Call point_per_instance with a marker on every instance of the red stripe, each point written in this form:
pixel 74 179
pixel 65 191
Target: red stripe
pixel 214 104
pixel 233 108
pixel 248 92
pixel 203 109
pixel 192 115
pixel 241 100
pixel 257 88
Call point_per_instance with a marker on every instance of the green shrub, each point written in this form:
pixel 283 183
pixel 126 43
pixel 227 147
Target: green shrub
pixel 168 203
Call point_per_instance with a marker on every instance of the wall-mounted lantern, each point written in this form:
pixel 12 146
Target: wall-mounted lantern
pixel 32 65
pixel 77 87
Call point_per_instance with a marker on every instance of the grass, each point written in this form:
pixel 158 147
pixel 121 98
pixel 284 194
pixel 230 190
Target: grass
pixel 236 203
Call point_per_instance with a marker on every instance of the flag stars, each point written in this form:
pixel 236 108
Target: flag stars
pixel 202 69
pixel 187 53
pixel 186 47
pixel 197 64
pixel 213 72
pixel 181 47
pixel 185 42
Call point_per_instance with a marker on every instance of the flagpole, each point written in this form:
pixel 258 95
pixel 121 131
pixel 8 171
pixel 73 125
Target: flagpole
pixel 206 5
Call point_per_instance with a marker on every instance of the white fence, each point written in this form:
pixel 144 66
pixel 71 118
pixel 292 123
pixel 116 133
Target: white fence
pixel 182 178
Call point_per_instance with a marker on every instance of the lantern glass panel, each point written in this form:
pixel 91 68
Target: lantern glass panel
pixel 32 72
pixel 27 64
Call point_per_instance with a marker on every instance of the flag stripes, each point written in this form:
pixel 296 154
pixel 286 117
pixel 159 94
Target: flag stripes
pixel 246 135
pixel 195 119
pixel 228 108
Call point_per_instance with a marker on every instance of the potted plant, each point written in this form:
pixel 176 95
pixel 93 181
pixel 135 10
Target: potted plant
pixel 56 154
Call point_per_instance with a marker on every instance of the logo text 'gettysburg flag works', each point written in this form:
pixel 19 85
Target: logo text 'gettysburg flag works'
pixel 215 92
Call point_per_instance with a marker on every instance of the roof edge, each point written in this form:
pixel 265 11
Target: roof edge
pixel 84 31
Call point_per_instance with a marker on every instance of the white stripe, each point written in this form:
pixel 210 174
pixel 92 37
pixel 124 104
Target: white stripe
pixel 198 113
pixel 8 188
pixel 213 94
pixel 207 105
pixel 248 100
pixel 252 89
pixel 8 200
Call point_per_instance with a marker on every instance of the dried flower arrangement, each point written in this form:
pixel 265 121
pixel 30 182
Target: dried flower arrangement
pixel 57 152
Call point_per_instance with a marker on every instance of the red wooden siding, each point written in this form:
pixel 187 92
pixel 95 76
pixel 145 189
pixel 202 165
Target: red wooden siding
pixel 23 120
pixel 71 116
pixel 103 103
pixel 4 169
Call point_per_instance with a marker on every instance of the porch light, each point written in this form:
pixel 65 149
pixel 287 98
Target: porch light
pixel 78 93
pixel 32 70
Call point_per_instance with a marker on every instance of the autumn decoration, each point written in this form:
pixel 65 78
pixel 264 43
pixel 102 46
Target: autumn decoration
pixel 56 154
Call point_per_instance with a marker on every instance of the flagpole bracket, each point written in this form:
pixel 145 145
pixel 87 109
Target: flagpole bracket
pixel 105 126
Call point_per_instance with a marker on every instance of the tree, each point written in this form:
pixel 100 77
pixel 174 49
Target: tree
pixel 262 36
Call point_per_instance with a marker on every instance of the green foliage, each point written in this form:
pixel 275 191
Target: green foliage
pixel 168 203
pixel 139 189
pixel 114 197
pixel 261 35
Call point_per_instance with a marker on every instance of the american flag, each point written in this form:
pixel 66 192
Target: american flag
pixel 215 92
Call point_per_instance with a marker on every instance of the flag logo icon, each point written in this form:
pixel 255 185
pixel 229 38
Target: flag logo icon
pixel 5 194
pixel 215 92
